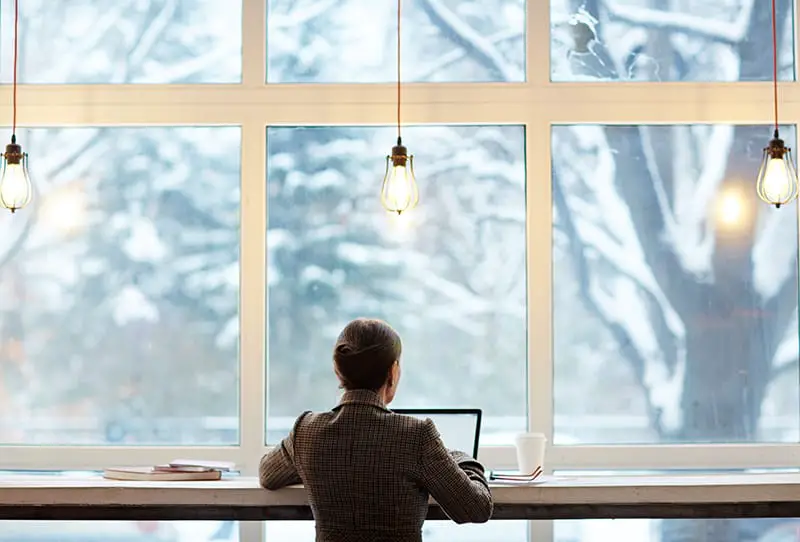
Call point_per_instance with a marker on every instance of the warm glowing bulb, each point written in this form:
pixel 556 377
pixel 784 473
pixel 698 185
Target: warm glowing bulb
pixel 15 183
pixel 15 186
pixel 777 183
pixel 399 192
pixel 400 189
pixel 777 179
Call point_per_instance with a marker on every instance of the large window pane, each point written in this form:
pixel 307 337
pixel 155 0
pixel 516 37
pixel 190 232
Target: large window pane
pixel 432 531
pixel 113 531
pixel 674 530
pixel 118 531
pixel 450 275
pixel 659 40
pixel 677 530
pixel 145 41
pixel 119 289
pixel 674 288
pixel 353 41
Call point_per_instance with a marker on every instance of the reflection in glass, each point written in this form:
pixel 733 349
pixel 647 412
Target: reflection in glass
pixel 147 41
pixel 119 290
pixel 443 40
pixel 449 275
pixel 674 288
pixel 656 40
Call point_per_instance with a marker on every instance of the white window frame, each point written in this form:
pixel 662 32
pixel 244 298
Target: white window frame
pixel 537 104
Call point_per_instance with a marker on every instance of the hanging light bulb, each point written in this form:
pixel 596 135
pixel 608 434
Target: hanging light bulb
pixel 399 191
pixel 15 182
pixel 777 177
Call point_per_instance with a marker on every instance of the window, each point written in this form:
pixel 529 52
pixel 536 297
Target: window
pixel 588 259
pixel 123 275
pixel 432 531
pixel 664 530
pixel 450 275
pixel 129 531
pixel 661 530
pixel 352 41
pixel 673 285
pixel 103 531
pixel 694 40
pixel 147 41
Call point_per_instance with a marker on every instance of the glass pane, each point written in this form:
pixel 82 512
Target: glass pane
pixel 148 41
pixel 449 275
pixel 674 288
pixel 353 41
pixel 119 289
pixel 119 531
pixel 677 530
pixel 659 40
pixel 432 531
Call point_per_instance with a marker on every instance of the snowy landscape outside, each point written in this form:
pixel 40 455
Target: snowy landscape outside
pixel 674 290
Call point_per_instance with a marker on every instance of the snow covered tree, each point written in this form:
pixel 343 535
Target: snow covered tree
pixel 121 278
pixel 664 228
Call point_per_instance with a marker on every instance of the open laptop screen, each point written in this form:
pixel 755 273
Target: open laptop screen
pixel 460 428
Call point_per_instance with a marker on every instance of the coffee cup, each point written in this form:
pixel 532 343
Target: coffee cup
pixel 530 452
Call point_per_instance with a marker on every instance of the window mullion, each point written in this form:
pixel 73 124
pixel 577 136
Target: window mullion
pixel 539 255
pixel 254 40
pixel 252 302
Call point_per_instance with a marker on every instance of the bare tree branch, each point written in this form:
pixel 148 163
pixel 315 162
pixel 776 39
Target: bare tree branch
pixel 647 214
pixel 469 39
pixel 299 13
pixel 153 31
pixel 730 33
pixel 782 369
pixel 622 336
pixel 454 55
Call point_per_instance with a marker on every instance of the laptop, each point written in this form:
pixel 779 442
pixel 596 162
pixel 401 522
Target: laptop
pixel 460 428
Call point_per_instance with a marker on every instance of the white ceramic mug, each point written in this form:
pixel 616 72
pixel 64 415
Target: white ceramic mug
pixel 530 451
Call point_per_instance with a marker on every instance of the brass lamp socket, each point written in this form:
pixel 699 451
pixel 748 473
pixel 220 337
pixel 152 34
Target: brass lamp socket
pixel 399 155
pixel 777 148
pixel 13 154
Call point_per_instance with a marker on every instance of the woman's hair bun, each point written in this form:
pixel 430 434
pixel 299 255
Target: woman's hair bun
pixel 364 354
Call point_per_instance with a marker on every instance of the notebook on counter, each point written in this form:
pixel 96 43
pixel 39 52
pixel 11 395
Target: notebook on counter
pixel 180 470
pixel 157 474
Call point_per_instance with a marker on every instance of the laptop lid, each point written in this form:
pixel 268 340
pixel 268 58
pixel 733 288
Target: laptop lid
pixel 460 428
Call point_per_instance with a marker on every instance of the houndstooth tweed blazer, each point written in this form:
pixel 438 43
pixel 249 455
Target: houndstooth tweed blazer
pixel 368 472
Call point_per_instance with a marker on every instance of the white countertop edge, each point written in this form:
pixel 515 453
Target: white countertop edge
pixel 632 490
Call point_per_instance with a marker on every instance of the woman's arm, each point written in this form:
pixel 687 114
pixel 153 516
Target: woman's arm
pixel 277 468
pixel 457 483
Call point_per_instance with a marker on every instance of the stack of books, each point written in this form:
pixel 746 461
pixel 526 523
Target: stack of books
pixel 180 470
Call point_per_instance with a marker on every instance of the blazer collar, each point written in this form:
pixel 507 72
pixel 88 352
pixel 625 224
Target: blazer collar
pixel 361 397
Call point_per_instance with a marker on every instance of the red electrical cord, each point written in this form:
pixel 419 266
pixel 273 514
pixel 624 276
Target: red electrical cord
pixel 16 39
pixel 775 64
pixel 399 11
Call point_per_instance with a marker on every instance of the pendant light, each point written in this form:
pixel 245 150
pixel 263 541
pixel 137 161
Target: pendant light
pixel 15 182
pixel 399 191
pixel 777 178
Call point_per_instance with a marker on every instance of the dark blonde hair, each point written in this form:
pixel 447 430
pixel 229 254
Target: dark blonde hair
pixel 364 354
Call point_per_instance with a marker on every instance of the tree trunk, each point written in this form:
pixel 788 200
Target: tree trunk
pixel 731 341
